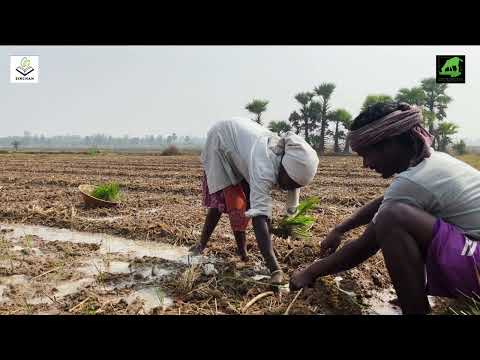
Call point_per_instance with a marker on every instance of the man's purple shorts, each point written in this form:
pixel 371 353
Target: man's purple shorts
pixel 453 263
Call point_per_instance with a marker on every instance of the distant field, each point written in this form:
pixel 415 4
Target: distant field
pixel 73 151
pixel 474 149
pixel 472 159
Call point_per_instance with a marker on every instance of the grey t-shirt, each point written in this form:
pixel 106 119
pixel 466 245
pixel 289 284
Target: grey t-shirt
pixel 443 186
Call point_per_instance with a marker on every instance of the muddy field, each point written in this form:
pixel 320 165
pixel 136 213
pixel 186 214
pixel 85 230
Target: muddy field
pixel 58 258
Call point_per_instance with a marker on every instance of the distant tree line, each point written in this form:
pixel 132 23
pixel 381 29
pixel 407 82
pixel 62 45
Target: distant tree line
pixel 315 119
pixel 98 140
pixel 321 124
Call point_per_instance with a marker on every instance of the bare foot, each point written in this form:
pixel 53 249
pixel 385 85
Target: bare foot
pixel 300 280
pixel 243 255
pixel 277 278
pixel 197 249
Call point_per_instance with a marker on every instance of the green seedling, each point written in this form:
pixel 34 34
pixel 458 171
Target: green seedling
pixel 28 241
pixel 160 296
pixel 298 226
pixel 107 192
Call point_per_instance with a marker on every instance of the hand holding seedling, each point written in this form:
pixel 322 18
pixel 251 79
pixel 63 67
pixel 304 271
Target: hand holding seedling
pixel 299 224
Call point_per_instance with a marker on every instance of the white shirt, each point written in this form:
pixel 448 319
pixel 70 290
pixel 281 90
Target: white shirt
pixel 239 149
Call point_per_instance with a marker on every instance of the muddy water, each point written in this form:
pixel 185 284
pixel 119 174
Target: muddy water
pixel 137 277
pixel 108 243
pixel 97 265
pixel 380 301
pixel 152 297
pixel 2 291
pixel 62 289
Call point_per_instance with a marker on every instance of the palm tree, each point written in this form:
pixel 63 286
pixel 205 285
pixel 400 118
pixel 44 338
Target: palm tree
pixel 346 124
pixel 413 96
pixel 304 99
pixel 436 103
pixel 257 107
pixel 279 127
pixel 324 91
pixel 315 115
pixel 340 117
pixel 443 134
pixel 460 147
pixel 294 119
pixel 374 99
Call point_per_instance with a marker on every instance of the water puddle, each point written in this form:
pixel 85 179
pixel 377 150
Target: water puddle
pixel 2 291
pixel 61 290
pixel 151 297
pixel 140 271
pixel 145 275
pixel 97 266
pixel 108 243
pixel 14 280
pixel 118 267
pixel 27 250
pixel 71 287
pixel 380 303
pixel 137 276
pixel 49 312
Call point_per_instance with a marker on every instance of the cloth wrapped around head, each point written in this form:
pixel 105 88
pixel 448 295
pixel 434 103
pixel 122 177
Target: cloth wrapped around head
pixel 393 124
pixel 300 160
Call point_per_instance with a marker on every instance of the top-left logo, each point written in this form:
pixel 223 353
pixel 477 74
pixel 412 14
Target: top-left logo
pixel 24 69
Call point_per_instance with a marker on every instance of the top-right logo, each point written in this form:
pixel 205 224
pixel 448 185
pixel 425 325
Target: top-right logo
pixel 451 69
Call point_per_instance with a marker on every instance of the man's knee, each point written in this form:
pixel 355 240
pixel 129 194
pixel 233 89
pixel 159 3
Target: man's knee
pixel 398 218
pixel 395 214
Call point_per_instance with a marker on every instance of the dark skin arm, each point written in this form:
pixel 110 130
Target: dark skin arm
pixel 261 227
pixel 362 217
pixel 349 256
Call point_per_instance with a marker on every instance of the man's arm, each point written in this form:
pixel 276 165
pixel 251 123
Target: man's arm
pixel 361 217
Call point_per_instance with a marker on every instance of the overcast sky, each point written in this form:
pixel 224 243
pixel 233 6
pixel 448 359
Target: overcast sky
pixel 138 90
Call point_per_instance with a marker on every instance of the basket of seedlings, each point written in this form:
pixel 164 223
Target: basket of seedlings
pixel 105 195
pixel 297 226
